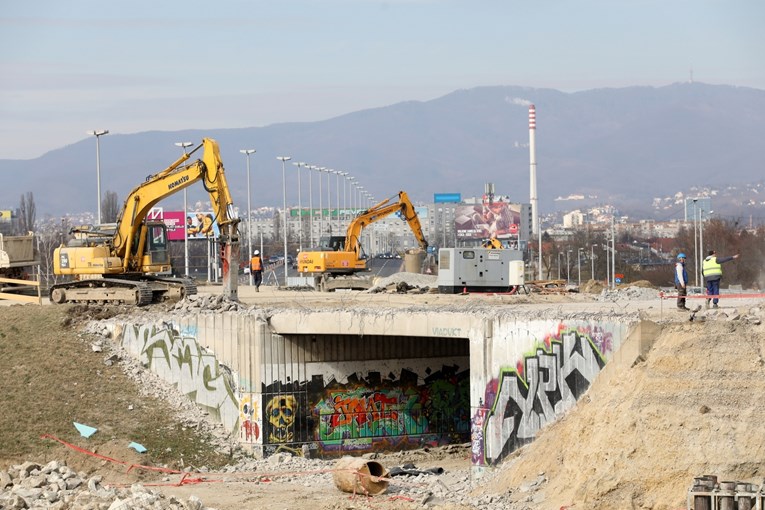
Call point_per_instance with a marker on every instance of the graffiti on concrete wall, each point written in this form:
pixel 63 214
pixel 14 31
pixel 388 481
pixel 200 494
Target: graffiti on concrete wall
pixel 281 412
pixel 180 360
pixel 369 412
pixel 541 386
pixel 249 428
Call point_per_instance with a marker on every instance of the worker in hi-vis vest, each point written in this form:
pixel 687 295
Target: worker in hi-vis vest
pixel 256 268
pixel 711 269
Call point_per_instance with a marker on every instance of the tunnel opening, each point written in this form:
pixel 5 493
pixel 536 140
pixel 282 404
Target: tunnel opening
pixel 327 396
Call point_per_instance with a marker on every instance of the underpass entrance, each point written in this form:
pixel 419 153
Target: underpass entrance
pixel 333 395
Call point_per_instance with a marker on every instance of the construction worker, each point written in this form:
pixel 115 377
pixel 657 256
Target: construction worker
pixel 711 269
pixel 681 282
pixel 256 269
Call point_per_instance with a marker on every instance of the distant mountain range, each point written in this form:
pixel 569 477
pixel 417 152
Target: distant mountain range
pixel 638 148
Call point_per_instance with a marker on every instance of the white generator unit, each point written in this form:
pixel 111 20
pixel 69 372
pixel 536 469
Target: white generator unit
pixel 479 270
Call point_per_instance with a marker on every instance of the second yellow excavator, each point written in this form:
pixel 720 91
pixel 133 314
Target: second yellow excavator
pixel 339 260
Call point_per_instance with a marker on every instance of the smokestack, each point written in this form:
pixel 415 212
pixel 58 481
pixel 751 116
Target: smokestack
pixel 533 170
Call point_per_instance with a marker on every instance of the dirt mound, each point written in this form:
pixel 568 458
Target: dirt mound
pixel 642 433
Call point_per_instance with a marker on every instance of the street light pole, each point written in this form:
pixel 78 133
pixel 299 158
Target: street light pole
pixel 184 145
pixel 321 207
pixel 310 201
pixel 695 244
pixel 329 197
pixel 337 195
pixel 247 153
pixel 592 261
pixel 98 133
pixel 579 265
pixel 300 209
pixel 284 203
pixel 568 266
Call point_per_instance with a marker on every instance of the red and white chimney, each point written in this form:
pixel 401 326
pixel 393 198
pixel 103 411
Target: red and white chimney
pixel 533 170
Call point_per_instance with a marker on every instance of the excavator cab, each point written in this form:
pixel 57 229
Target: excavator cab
pixel 156 257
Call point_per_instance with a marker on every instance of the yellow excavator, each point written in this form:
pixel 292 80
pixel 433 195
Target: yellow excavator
pixel 493 243
pixel 128 261
pixel 338 259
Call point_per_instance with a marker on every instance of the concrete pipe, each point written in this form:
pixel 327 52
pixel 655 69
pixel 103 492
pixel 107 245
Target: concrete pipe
pixel 360 476
pixel 413 260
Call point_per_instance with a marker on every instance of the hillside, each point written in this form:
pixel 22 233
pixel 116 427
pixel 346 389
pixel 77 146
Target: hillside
pixel 642 433
pixel 613 146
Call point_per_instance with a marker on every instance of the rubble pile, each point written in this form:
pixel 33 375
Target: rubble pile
pixel 631 293
pixel 56 486
pixel 405 283
pixel 208 303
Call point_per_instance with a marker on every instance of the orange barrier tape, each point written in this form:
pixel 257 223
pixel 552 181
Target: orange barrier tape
pixel 711 296
pixel 104 457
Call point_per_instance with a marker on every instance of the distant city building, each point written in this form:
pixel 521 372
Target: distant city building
pixel 573 219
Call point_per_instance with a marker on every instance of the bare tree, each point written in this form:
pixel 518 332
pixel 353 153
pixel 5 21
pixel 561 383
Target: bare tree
pixel 27 213
pixel 110 207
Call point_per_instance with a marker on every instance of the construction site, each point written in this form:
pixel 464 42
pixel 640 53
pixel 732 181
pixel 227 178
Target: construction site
pixel 602 399
pixel 453 380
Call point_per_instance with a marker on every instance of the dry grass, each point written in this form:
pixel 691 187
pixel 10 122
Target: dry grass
pixel 51 378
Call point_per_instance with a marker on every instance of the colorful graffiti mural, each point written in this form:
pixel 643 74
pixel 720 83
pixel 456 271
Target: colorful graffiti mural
pixel 180 360
pixel 541 386
pixel 368 413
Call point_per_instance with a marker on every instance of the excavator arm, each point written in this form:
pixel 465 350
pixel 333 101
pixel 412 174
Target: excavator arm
pixel 208 169
pixel 379 211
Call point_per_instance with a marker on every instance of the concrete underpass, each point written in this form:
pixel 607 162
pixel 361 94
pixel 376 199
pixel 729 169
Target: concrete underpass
pixel 358 375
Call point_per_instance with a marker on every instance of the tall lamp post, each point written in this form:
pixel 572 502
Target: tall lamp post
pixel 337 195
pixel 321 207
pixel 592 261
pixel 579 265
pixel 568 266
pixel 183 146
pixel 284 203
pixel 329 196
pixel 310 201
pixel 98 133
pixel 247 153
pixel 695 244
pixel 559 254
pixel 300 209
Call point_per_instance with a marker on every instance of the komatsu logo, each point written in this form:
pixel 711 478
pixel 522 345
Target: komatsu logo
pixel 178 182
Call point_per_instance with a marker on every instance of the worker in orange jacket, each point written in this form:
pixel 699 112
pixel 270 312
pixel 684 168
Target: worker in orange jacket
pixel 256 269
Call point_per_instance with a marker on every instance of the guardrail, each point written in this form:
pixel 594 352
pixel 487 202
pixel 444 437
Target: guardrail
pixel 21 285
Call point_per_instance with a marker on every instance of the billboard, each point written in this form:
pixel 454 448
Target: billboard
pixel 482 221
pixel 441 198
pixel 199 225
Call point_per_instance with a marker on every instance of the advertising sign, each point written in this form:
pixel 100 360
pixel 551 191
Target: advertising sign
pixel 482 221
pixel 175 228
pixel 442 198
pixel 198 225
pixel 201 225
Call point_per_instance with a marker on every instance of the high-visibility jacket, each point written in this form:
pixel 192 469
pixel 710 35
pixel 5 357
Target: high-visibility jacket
pixel 711 268
pixel 256 263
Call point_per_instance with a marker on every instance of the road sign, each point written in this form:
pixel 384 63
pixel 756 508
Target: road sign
pixel 513 228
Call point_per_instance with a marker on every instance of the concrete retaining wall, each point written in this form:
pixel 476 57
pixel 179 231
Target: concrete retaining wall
pixel 341 382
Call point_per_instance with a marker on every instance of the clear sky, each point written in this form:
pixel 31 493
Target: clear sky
pixel 77 65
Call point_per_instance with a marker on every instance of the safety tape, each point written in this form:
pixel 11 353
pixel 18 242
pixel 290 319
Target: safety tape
pixel 662 295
